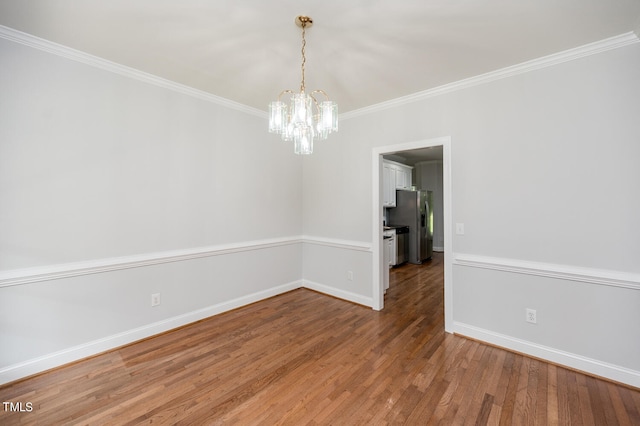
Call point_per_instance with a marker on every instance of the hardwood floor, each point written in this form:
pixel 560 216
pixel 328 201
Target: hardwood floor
pixel 306 358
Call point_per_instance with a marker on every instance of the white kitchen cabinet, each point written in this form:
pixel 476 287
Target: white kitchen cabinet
pixel 394 176
pixel 403 177
pixel 389 185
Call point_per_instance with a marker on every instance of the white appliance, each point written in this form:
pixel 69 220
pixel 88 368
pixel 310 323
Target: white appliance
pixel 389 246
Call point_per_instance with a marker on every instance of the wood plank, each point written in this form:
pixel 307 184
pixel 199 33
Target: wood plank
pixel 552 396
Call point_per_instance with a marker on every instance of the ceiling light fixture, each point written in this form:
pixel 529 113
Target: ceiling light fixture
pixel 307 118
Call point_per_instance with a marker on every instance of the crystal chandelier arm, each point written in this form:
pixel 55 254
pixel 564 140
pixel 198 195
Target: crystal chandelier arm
pixel 321 91
pixel 315 101
pixel 314 98
pixel 283 92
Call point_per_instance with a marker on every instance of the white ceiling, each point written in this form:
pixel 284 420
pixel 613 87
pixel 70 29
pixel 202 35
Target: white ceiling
pixel 361 52
pixel 413 156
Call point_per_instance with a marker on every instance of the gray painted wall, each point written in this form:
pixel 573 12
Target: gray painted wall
pixel 544 173
pixel 97 168
pixel 102 172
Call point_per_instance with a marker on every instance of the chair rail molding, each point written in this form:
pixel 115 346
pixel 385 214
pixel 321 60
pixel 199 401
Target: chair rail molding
pixel 550 270
pixel 67 270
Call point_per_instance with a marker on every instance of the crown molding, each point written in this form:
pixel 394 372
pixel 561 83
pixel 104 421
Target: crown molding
pixel 611 43
pixel 535 64
pixel 97 62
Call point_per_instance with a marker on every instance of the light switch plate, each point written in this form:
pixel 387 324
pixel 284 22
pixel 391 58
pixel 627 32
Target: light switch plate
pixel 460 228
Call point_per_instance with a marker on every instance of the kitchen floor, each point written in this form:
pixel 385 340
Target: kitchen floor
pixel 407 270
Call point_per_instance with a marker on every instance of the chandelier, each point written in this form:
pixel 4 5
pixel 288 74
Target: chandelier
pixel 306 119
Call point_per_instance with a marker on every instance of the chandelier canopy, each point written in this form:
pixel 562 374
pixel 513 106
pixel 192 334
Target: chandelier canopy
pixel 306 119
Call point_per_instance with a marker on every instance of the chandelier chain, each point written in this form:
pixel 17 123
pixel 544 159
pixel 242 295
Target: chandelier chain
pixel 304 58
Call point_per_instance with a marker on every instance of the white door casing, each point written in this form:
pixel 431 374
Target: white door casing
pixel 378 264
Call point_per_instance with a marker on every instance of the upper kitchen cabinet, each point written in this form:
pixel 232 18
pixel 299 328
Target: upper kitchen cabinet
pixel 403 176
pixel 394 176
pixel 388 185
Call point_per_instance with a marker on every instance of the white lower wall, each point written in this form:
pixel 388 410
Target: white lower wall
pixel 49 321
pixel 58 314
pixel 326 267
pixel 580 312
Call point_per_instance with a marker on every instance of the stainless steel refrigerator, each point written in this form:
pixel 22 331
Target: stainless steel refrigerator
pixel 413 209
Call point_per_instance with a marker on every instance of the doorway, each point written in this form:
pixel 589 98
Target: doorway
pixel 377 209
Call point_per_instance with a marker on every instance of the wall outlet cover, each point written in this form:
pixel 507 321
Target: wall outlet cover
pixel 155 299
pixel 531 316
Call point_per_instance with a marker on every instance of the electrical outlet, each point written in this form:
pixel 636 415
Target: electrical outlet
pixel 155 299
pixel 350 275
pixel 531 316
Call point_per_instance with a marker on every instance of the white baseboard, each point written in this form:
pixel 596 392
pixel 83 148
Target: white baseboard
pixel 340 294
pixel 75 353
pixel 573 361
